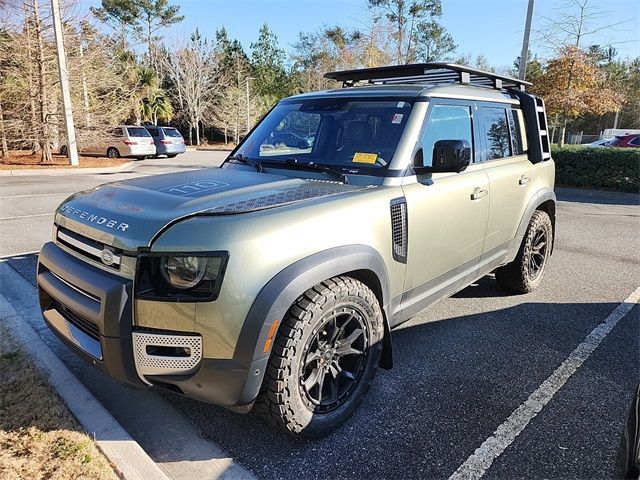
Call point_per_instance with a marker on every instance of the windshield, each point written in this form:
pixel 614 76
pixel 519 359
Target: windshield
pixel 353 135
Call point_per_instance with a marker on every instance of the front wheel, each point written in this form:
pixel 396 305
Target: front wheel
pixel 527 270
pixel 324 359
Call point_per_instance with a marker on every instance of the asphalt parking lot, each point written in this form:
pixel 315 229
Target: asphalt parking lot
pixel 461 368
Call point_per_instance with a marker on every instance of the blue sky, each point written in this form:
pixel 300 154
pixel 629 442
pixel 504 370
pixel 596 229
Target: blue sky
pixel 490 27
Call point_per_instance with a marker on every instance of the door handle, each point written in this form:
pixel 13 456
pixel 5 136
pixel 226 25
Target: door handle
pixel 478 193
pixel 523 180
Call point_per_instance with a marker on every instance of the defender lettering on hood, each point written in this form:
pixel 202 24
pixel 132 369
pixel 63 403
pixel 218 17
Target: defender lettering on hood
pixel 91 218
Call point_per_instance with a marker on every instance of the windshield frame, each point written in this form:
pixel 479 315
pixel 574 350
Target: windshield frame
pixel 378 171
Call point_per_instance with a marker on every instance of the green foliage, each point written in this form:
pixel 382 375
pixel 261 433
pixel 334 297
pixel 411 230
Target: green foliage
pixel 598 168
pixel 268 70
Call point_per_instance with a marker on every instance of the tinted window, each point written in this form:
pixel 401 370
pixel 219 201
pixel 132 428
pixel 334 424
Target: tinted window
pixel 634 141
pixel 495 129
pixel 153 132
pixel 138 132
pixel 172 132
pixel 515 124
pixel 446 122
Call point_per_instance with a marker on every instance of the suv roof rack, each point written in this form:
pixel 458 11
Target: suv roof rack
pixel 433 73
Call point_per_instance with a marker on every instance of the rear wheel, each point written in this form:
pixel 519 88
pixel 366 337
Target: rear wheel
pixel 527 270
pixel 113 152
pixel 324 358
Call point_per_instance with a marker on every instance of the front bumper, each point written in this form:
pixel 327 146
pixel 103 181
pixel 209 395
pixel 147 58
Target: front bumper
pixel 91 311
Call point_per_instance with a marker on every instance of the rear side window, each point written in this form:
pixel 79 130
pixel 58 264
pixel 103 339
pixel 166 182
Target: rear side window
pixel 172 132
pixel 518 142
pixel 495 128
pixel 446 122
pixel 138 132
pixel 154 132
pixel 635 141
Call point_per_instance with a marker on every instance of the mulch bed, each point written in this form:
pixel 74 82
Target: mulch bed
pixel 26 160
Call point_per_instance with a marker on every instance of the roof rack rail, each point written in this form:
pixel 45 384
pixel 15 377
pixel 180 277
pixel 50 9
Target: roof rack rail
pixel 433 73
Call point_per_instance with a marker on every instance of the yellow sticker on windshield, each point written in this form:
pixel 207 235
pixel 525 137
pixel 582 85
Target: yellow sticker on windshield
pixel 360 157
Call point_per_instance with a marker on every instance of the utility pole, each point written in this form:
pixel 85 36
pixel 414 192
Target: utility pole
pixel 525 42
pixel 248 106
pixel 64 85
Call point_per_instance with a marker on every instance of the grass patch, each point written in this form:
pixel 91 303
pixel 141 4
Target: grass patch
pixel 39 438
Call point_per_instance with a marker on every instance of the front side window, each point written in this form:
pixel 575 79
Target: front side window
pixel 495 128
pixel 354 135
pixel 446 122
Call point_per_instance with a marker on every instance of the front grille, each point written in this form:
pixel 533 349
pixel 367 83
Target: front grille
pixel 88 247
pixel 87 326
pixel 399 229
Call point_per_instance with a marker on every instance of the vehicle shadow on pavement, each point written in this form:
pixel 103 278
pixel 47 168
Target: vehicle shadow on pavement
pixel 486 287
pixel 453 382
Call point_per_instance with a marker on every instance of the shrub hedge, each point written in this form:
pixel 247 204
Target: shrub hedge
pixel 598 168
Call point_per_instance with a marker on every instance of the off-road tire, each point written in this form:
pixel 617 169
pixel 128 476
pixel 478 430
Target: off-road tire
pixel 112 152
pixel 283 399
pixel 519 275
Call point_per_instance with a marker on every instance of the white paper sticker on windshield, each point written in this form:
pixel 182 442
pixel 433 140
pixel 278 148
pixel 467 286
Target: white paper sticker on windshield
pixel 397 118
pixel 400 105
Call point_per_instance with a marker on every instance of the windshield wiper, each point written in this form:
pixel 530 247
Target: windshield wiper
pixel 239 158
pixel 295 164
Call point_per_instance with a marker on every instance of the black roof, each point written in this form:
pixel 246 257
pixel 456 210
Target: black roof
pixel 433 73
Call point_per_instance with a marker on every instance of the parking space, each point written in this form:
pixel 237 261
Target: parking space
pixel 461 368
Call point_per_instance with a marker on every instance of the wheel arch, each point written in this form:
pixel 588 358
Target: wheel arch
pixel 361 262
pixel 543 200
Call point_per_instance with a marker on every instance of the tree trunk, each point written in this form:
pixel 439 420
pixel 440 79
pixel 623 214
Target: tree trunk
pixel 197 133
pixel 190 134
pixel 45 140
pixel 35 146
pixel 562 133
pixel 85 91
pixel 4 150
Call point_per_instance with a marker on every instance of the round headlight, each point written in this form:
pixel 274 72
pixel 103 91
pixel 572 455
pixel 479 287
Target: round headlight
pixel 183 272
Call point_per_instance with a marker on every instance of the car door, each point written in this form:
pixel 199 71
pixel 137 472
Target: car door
pixel 447 213
pixel 502 150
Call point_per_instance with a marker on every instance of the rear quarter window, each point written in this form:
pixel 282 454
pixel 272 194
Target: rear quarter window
pixel 172 132
pixel 496 131
pixel 137 132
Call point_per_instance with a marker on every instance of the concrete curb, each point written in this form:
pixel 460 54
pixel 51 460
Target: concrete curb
pixel 66 171
pixel 130 460
pixel 585 195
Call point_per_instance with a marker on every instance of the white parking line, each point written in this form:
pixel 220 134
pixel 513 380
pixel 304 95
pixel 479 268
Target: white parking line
pixel 37 195
pixel 27 216
pixel 23 254
pixel 479 462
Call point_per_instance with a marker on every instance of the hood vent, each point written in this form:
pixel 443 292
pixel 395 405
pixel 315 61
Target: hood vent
pixel 299 193
pixel 399 227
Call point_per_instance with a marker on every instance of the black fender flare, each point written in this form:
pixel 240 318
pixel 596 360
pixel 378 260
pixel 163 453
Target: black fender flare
pixel 277 296
pixel 541 196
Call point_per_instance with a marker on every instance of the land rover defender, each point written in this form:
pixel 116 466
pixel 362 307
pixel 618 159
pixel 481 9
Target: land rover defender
pixel 276 281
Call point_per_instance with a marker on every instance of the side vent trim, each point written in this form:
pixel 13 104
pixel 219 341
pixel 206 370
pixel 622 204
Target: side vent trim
pixel 399 229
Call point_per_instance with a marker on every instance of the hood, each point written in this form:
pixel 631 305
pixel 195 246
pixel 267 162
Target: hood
pixel 130 213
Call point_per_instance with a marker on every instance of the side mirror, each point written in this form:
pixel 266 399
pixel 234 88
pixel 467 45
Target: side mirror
pixel 448 156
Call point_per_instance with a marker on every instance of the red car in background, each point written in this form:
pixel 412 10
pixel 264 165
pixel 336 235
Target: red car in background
pixel 632 140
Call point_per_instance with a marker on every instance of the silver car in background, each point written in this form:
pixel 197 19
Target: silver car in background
pixel 114 142
pixel 168 141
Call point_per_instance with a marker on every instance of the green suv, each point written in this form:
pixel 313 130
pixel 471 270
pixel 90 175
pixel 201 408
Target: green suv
pixel 276 281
